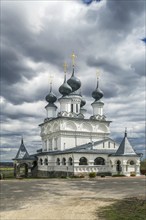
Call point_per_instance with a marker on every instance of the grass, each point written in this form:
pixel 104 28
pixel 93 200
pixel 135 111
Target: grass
pixel 8 172
pixel 6 168
pixel 126 209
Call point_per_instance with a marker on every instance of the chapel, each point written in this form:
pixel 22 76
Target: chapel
pixel 74 145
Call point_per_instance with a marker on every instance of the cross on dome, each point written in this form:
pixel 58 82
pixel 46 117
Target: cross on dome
pixel 73 56
pixel 50 81
pixel 98 73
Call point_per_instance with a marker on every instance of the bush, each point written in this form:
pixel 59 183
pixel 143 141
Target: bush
pixel 63 177
pixel 102 175
pixel 81 175
pixel 92 175
pixel 132 174
pixel 118 175
pixel 143 172
pixel 75 176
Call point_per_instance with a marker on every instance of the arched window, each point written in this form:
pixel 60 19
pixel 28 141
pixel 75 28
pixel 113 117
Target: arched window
pixel 63 161
pixel 41 161
pixel 99 161
pixel 58 161
pixel 70 161
pixel 131 162
pixel 46 161
pixel 83 161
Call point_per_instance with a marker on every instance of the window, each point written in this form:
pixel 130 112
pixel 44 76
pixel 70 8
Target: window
pixel 132 162
pixel 41 161
pixel 77 108
pixel 83 161
pixel 99 161
pixel 70 162
pixel 46 161
pixel 108 144
pixel 58 161
pixel 71 107
pixel 55 148
pixel 45 145
pixel 103 144
pixel 63 161
pixel 50 144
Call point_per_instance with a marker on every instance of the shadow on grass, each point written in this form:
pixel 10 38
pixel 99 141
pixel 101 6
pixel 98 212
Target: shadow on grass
pixel 126 209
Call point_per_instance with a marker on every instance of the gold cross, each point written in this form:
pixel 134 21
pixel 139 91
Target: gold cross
pixel 50 78
pixel 73 56
pixel 97 73
pixel 65 67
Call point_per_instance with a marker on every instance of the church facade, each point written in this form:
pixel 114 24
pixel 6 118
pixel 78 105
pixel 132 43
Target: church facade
pixel 73 144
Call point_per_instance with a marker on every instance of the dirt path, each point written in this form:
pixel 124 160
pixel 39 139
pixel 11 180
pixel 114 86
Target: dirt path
pixel 63 199
pixel 68 210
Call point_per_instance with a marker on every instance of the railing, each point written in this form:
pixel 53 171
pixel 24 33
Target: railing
pixel 76 169
pixel 83 168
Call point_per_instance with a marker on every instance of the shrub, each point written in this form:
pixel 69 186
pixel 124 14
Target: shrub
pixel 63 177
pixel 81 175
pixel 75 176
pixel 102 175
pixel 118 175
pixel 143 172
pixel 132 174
pixel 92 175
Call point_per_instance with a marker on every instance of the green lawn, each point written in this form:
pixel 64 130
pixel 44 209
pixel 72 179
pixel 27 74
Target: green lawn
pixel 8 172
pixel 127 209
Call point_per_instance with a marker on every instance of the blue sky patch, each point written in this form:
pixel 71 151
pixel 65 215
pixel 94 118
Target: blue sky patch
pixel 88 2
pixel 144 40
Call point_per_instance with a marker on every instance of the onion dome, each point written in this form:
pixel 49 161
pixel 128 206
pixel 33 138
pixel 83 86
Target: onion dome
pixel 51 98
pixel 65 89
pixel 97 93
pixel 74 82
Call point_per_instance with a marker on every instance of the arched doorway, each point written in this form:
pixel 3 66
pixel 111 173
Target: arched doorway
pixel 23 170
pixel 118 166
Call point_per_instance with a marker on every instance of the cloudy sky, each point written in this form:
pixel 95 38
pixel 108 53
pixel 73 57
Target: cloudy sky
pixel 38 36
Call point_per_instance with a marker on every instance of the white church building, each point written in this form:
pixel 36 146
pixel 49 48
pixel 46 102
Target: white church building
pixel 73 145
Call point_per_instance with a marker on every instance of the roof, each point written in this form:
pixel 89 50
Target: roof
pixel 125 148
pixel 22 153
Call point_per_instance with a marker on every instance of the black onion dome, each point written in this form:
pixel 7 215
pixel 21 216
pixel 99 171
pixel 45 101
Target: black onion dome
pixel 83 102
pixel 65 89
pixel 74 82
pixel 51 98
pixel 97 94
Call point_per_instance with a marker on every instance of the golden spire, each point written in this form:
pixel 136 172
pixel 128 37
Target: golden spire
pixel 73 56
pixel 65 67
pixel 50 81
pixel 97 73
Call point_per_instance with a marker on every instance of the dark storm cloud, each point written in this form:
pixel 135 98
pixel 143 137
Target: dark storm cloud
pixel 12 67
pixel 122 16
pixel 103 62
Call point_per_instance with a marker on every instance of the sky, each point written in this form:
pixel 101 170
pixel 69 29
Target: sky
pixel 37 37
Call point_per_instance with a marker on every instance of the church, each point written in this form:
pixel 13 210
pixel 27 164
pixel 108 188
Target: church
pixel 73 145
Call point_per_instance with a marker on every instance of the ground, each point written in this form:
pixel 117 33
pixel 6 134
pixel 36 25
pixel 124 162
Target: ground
pixel 64 199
